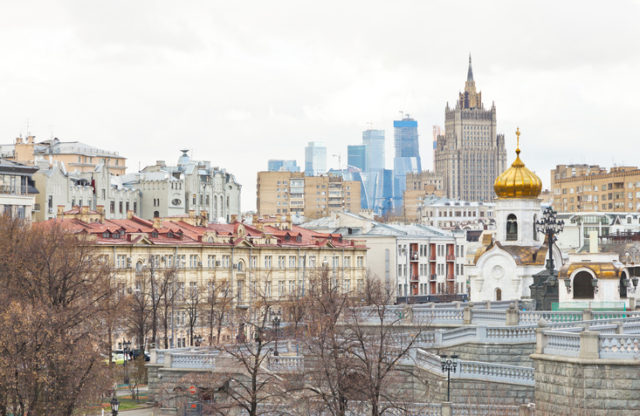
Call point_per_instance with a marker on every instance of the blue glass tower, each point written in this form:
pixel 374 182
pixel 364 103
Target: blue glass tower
pixel 407 157
pixel 356 157
pixel 373 140
pixel 275 165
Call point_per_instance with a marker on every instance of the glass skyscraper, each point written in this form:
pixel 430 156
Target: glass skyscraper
pixel 315 159
pixel 373 140
pixel 276 165
pixel 407 157
pixel 356 156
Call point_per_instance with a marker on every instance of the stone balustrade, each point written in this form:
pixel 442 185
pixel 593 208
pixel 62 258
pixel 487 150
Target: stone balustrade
pixel 561 343
pixel 478 370
pixel 285 364
pixel 619 346
pixel 193 360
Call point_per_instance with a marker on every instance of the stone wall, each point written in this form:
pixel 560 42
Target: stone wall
pixel 510 354
pixel 579 387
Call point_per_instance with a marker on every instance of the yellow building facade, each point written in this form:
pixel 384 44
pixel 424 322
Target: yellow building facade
pixel 590 188
pixel 270 261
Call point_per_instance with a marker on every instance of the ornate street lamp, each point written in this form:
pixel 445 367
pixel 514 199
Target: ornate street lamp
pixel 276 324
pixel 125 352
pixel 544 289
pixel 449 364
pixel 550 226
pixel 115 405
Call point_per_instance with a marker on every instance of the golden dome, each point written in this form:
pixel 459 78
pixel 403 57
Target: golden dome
pixel 517 181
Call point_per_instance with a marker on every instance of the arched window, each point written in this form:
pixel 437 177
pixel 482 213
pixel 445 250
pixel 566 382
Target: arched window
pixel 582 286
pixel 156 214
pixel 535 232
pixel 240 266
pixel 498 294
pixel 512 228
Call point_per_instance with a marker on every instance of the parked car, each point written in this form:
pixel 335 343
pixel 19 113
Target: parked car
pixel 136 353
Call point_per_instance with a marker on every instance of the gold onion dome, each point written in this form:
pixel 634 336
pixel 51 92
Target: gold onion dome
pixel 517 181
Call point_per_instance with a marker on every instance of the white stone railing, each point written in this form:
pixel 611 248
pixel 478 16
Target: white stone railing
pixel 160 356
pixel 489 316
pixel 510 334
pixel 562 343
pixel 193 360
pixel 459 409
pixel 478 370
pixel 285 363
pixel 496 372
pixel 532 317
pixel 458 335
pixel 437 316
pixel 619 346
pixel 599 315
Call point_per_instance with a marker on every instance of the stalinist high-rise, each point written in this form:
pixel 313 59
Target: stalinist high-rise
pixel 470 154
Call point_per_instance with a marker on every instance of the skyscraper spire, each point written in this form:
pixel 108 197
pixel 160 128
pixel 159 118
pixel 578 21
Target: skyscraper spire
pixel 470 71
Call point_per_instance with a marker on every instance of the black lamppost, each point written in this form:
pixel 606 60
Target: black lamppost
pixel 276 324
pixel 115 405
pixel 545 290
pixel 550 226
pixel 449 364
pixel 125 352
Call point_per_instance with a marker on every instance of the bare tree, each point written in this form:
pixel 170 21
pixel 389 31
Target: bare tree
pixel 192 307
pixel 52 290
pixel 330 382
pixel 250 385
pixel 167 289
pixel 377 350
pixel 216 306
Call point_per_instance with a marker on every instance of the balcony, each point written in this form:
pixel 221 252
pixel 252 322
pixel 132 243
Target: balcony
pixel 415 278
pixel 451 257
pixel 432 257
pixel 433 278
pixel 450 278
pixel 414 256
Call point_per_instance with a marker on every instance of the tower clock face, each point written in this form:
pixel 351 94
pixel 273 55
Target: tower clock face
pixel 176 201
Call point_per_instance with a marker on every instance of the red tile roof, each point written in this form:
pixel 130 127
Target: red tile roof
pixel 128 231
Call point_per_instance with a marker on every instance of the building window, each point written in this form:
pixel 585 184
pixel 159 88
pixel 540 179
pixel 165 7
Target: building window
pixel 512 228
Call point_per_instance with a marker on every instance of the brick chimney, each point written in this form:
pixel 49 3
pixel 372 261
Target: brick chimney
pixel 157 222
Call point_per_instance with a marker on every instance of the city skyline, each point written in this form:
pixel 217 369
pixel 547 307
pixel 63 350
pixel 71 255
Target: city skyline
pixel 242 85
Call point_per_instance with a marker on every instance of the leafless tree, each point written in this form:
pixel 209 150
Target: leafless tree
pixel 53 286
pixel 167 289
pixel 216 306
pixel 192 307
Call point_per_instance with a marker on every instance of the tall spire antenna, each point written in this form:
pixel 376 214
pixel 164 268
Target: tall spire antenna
pixel 518 140
pixel 470 71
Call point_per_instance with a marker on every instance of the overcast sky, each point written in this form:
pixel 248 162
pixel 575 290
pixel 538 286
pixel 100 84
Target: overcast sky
pixel 241 82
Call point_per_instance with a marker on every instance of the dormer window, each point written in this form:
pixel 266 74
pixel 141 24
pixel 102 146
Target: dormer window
pixel 287 237
pixel 105 234
pixel 299 238
pixel 170 234
pixel 154 234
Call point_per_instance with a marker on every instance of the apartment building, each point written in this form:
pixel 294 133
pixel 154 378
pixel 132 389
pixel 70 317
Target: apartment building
pixel 420 187
pixel 309 196
pixel 413 260
pixel 266 260
pixel 455 214
pixel 76 156
pixel 589 188
pixel 17 190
